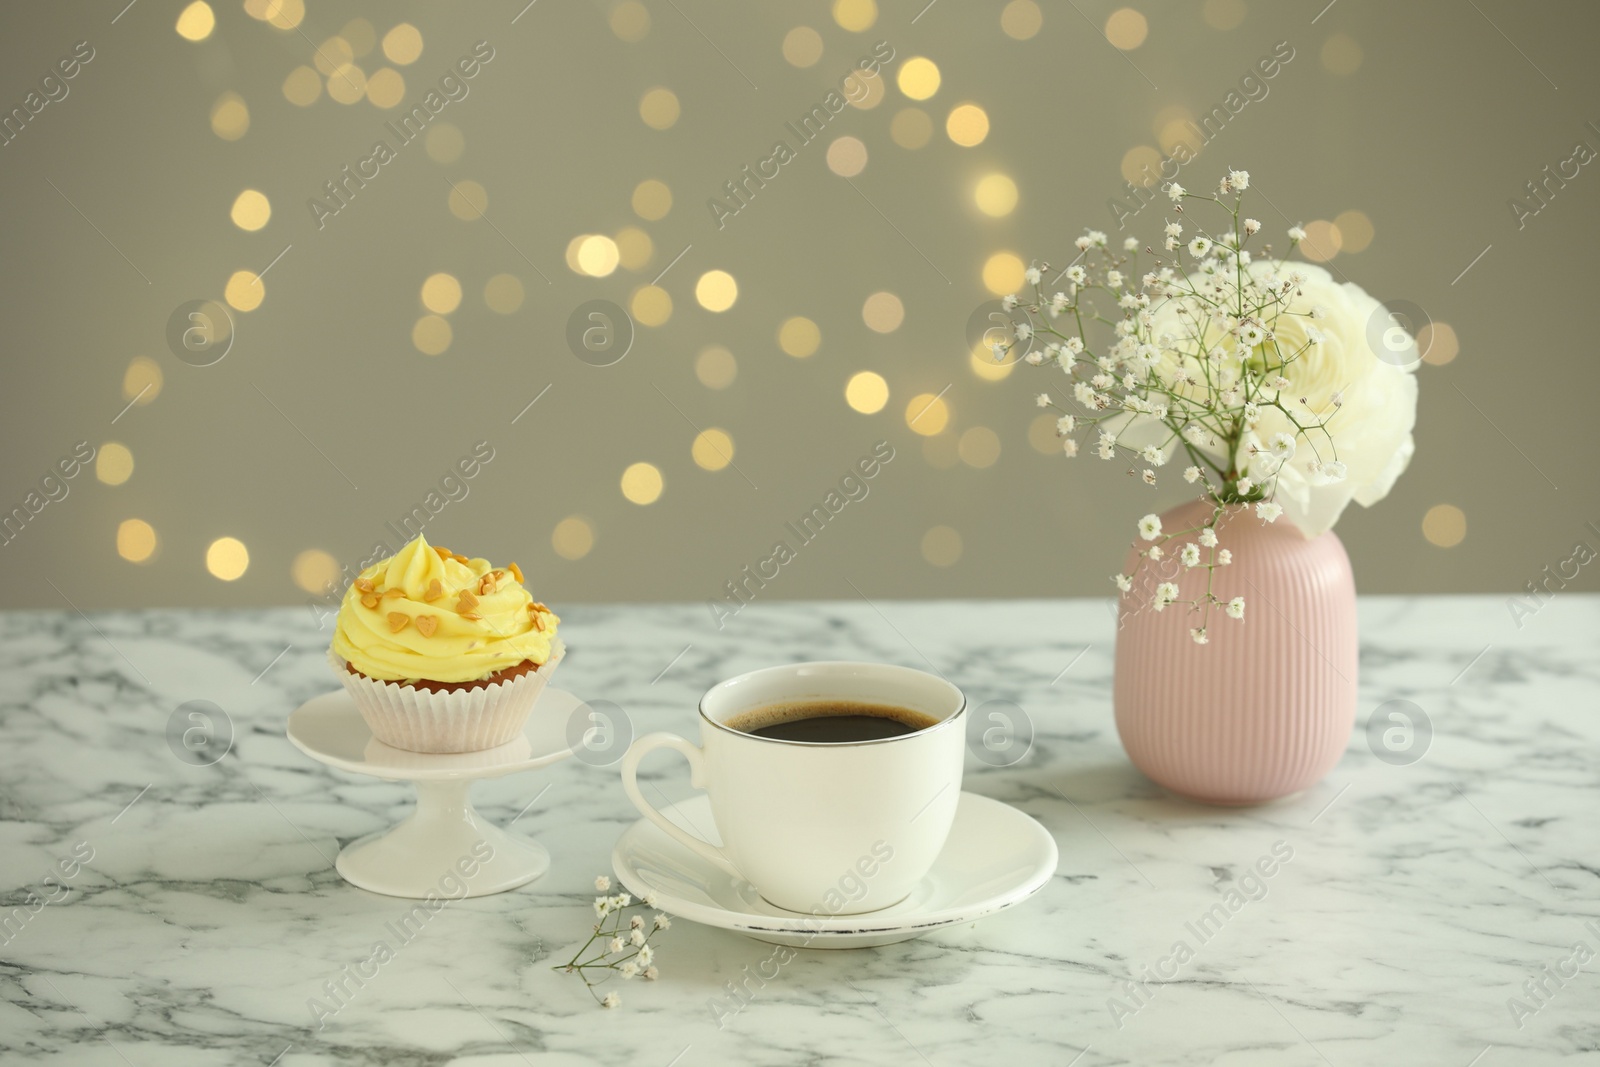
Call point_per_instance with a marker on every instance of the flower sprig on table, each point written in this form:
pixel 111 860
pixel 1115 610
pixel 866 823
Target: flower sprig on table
pixel 625 952
pixel 1235 361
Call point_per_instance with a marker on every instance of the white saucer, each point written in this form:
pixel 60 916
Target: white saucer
pixel 444 837
pixel 996 857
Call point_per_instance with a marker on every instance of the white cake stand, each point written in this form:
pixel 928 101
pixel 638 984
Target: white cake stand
pixel 444 837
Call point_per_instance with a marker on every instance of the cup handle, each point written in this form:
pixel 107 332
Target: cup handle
pixel 697 778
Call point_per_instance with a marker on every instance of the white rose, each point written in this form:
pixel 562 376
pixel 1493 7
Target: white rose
pixel 1371 430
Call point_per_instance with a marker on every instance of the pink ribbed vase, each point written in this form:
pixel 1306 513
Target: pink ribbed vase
pixel 1266 708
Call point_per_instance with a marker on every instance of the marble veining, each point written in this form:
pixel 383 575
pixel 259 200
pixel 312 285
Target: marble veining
pixel 1417 910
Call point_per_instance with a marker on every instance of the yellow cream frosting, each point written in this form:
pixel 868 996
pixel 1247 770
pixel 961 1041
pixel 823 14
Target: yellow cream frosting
pixel 423 614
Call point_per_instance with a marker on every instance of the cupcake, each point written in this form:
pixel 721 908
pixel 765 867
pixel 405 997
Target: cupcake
pixel 443 653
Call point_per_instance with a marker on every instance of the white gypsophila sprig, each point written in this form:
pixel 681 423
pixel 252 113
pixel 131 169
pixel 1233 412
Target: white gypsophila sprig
pixel 624 950
pixel 1195 354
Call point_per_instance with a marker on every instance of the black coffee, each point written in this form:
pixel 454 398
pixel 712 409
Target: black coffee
pixel 830 722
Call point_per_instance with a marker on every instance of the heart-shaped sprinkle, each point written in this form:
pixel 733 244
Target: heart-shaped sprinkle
pixel 365 585
pixel 467 601
pixel 435 591
pixel 398 621
pixel 369 600
pixel 427 624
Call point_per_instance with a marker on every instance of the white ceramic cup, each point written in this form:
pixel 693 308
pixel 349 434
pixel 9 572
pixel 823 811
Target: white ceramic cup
pixel 824 829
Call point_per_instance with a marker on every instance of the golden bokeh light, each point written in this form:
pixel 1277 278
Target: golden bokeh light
pixel 1141 165
pixel 348 84
pixel 468 200
pixel 503 293
pixel 1436 341
pixel 712 449
pixel 641 483
pixel 598 255
pixel 659 108
pixel 1341 55
pixel 244 291
pixel 799 337
pixel 332 54
pixel 1002 273
pixel 444 142
pixel 716 290
pixel 1223 14
pixel 302 87
pixel 260 9
pixel 967 125
pixel 866 392
pixel 651 306
pixel 995 195
pixel 136 540
pixel 141 382
pixel 386 88
pixel 979 447
pixel 1180 132
pixel 441 293
pixel 1021 19
pixel 403 44
pixel 572 252
pixel 911 127
pixel 196 21
pixel 1127 28
pixel 802 47
pixel 847 157
pixel 1322 241
pixel 113 463
pixel 715 367
pixel 630 20
pixel 230 117
pixel 918 77
pixel 251 210
pixel 432 335
pixel 314 571
pixel 227 559
pixel 1355 230
pixel 982 363
pixel 634 248
pixel 883 312
pixel 285 14
pixel 652 200
pixel 857 16
pixel 941 546
pixel 573 537
pixel 1444 525
pixel 927 414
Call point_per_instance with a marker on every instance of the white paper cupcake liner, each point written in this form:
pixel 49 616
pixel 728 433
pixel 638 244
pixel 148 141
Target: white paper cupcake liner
pixel 458 720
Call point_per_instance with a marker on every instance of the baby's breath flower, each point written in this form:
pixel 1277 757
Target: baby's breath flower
pixel 636 921
pixel 1077 275
pixel 1190 555
pixel 615 945
pixel 1032 274
pixel 652 973
pixel 1251 226
pixel 1174 229
pixel 1236 608
pixel 1114 279
pixel 1199 635
pixel 1269 510
pixel 627 968
pixel 1033 358
pixel 602 906
pixel 1150 527
pixel 1043 400
pixel 1154 552
pixel 637 937
pixel 1149 476
pixel 1070 447
pixel 662 921
pixel 1296 234
pixel 1224 557
pixel 1124 583
pixel 1022 330
pixel 1066 424
pixel 1199 246
pixel 602 883
pixel 1244 485
pixel 1009 301
pixel 1130 244
pixel 1058 303
pixel 1175 191
pixel 611 999
pixel 646 955
pixel 1239 179
pixel 649 899
pixel 1208 537
pixel 1191 474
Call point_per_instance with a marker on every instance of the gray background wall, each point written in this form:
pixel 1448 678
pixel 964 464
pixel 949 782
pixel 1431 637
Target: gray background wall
pixel 324 421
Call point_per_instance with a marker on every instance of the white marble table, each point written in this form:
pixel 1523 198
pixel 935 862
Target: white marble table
pixel 203 911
